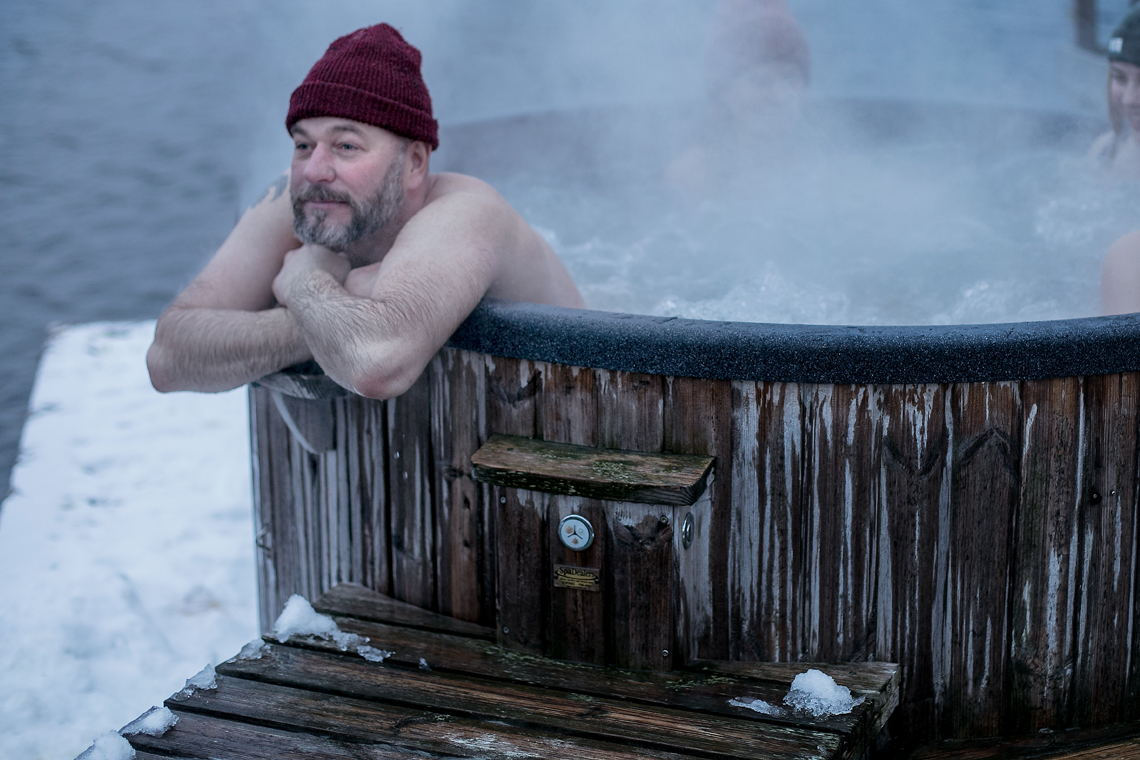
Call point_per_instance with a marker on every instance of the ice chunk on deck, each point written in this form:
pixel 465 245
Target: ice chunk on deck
pixel 205 679
pixel 300 619
pixel 758 705
pixel 109 746
pixel 252 650
pixel 372 654
pixel 154 722
pixel 817 693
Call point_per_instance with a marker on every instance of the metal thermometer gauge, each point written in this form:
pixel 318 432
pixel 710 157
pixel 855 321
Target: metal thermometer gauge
pixel 576 532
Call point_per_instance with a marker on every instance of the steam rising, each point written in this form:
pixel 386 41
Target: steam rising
pixel 924 183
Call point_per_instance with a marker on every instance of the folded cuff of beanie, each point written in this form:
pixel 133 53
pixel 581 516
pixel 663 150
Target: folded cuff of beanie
pixel 314 99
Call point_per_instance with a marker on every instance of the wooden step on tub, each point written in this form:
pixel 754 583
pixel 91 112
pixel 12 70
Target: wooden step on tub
pixel 447 690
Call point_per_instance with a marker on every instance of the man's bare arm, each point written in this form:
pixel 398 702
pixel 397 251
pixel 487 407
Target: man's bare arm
pixel 225 329
pixel 213 350
pixel 443 262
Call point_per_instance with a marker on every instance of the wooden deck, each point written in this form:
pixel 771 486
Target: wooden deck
pixel 450 691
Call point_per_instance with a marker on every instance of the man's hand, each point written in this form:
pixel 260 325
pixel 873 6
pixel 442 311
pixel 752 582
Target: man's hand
pixel 301 263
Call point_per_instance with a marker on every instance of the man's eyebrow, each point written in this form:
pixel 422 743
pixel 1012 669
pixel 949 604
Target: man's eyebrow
pixel 347 128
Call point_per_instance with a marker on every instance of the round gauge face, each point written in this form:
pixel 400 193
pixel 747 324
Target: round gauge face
pixel 575 532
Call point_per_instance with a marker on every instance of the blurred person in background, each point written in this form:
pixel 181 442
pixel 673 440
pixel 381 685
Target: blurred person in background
pixel 757 68
pixel 1118 150
pixel 1118 153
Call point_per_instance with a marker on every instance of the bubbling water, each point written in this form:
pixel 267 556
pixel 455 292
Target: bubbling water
pixel 936 228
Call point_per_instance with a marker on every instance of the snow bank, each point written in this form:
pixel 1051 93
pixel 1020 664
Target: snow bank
pixel 126 547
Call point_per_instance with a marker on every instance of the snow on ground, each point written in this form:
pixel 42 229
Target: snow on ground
pixel 126 547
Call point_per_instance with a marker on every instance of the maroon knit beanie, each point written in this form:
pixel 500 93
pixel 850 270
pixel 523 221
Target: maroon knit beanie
pixel 371 76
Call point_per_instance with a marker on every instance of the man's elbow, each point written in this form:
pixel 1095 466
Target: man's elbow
pixel 388 381
pixel 162 375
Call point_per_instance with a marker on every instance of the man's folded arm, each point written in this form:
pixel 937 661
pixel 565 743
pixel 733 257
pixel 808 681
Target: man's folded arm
pixel 213 350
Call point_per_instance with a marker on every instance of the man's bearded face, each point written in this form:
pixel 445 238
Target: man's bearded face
pixel 368 215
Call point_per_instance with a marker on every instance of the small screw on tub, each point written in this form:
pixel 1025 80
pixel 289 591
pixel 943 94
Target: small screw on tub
pixel 664 652
pixel 1094 497
pixel 687 531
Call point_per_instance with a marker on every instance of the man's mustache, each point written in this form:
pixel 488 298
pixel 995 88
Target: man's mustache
pixel 317 194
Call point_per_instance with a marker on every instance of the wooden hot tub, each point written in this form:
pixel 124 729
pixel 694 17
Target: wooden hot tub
pixel 959 500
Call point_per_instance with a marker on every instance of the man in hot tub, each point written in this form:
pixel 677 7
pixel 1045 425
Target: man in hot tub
pixel 369 262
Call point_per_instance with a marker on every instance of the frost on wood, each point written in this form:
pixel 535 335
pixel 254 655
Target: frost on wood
pixel 154 722
pixel 252 650
pixel 816 693
pixel 372 654
pixel 109 746
pixel 205 680
pixel 757 705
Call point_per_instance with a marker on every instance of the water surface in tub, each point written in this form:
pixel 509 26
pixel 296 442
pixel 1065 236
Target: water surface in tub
pixel 928 232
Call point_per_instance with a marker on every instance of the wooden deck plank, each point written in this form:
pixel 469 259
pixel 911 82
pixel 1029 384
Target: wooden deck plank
pixel 353 600
pixel 709 692
pixel 593 717
pixel 214 738
pixel 356 720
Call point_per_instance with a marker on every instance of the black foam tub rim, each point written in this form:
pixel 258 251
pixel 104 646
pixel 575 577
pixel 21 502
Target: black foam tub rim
pixel 803 353
pixel 835 354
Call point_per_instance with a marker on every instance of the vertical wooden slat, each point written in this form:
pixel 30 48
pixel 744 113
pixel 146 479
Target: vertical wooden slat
pixel 630 410
pixel 973 636
pixel 373 457
pixel 1107 524
pixel 512 390
pixel 263 440
pixel 410 487
pixel 698 420
pixel 841 512
pixel 1045 582
pixel 568 409
pixel 915 473
pixel 458 429
pixel 765 583
pixel 522 567
pixel 578 622
pixel 639 584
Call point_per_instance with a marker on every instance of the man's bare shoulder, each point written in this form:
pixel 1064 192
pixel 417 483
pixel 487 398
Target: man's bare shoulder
pixel 450 183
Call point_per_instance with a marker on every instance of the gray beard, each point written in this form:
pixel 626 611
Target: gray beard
pixel 368 216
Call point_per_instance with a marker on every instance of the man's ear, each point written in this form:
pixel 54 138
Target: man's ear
pixel 416 160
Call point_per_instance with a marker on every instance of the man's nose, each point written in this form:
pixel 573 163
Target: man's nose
pixel 319 166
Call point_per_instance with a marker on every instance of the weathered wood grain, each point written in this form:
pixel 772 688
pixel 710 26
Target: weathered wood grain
pixel 596 473
pixel 205 736
pixel 369 724
pixel 353 600
pixel 841 536
pixel 971 652
pixel 916 491
pixel 410 481
pixel 578 629
pixel 698 420
pixel 458 427
pixel 1042 642
pixel 568 406
pixel 522 560
pixel 590 717
pixel 640 585
pixel 766 613
pixel 707 691
pixel 1106 516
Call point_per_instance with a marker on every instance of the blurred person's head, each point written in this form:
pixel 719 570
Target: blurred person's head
pixel 757 67
pixel 1124 76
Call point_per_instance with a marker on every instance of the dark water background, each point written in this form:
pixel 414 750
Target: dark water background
pixel 123 143
pixel 132 133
